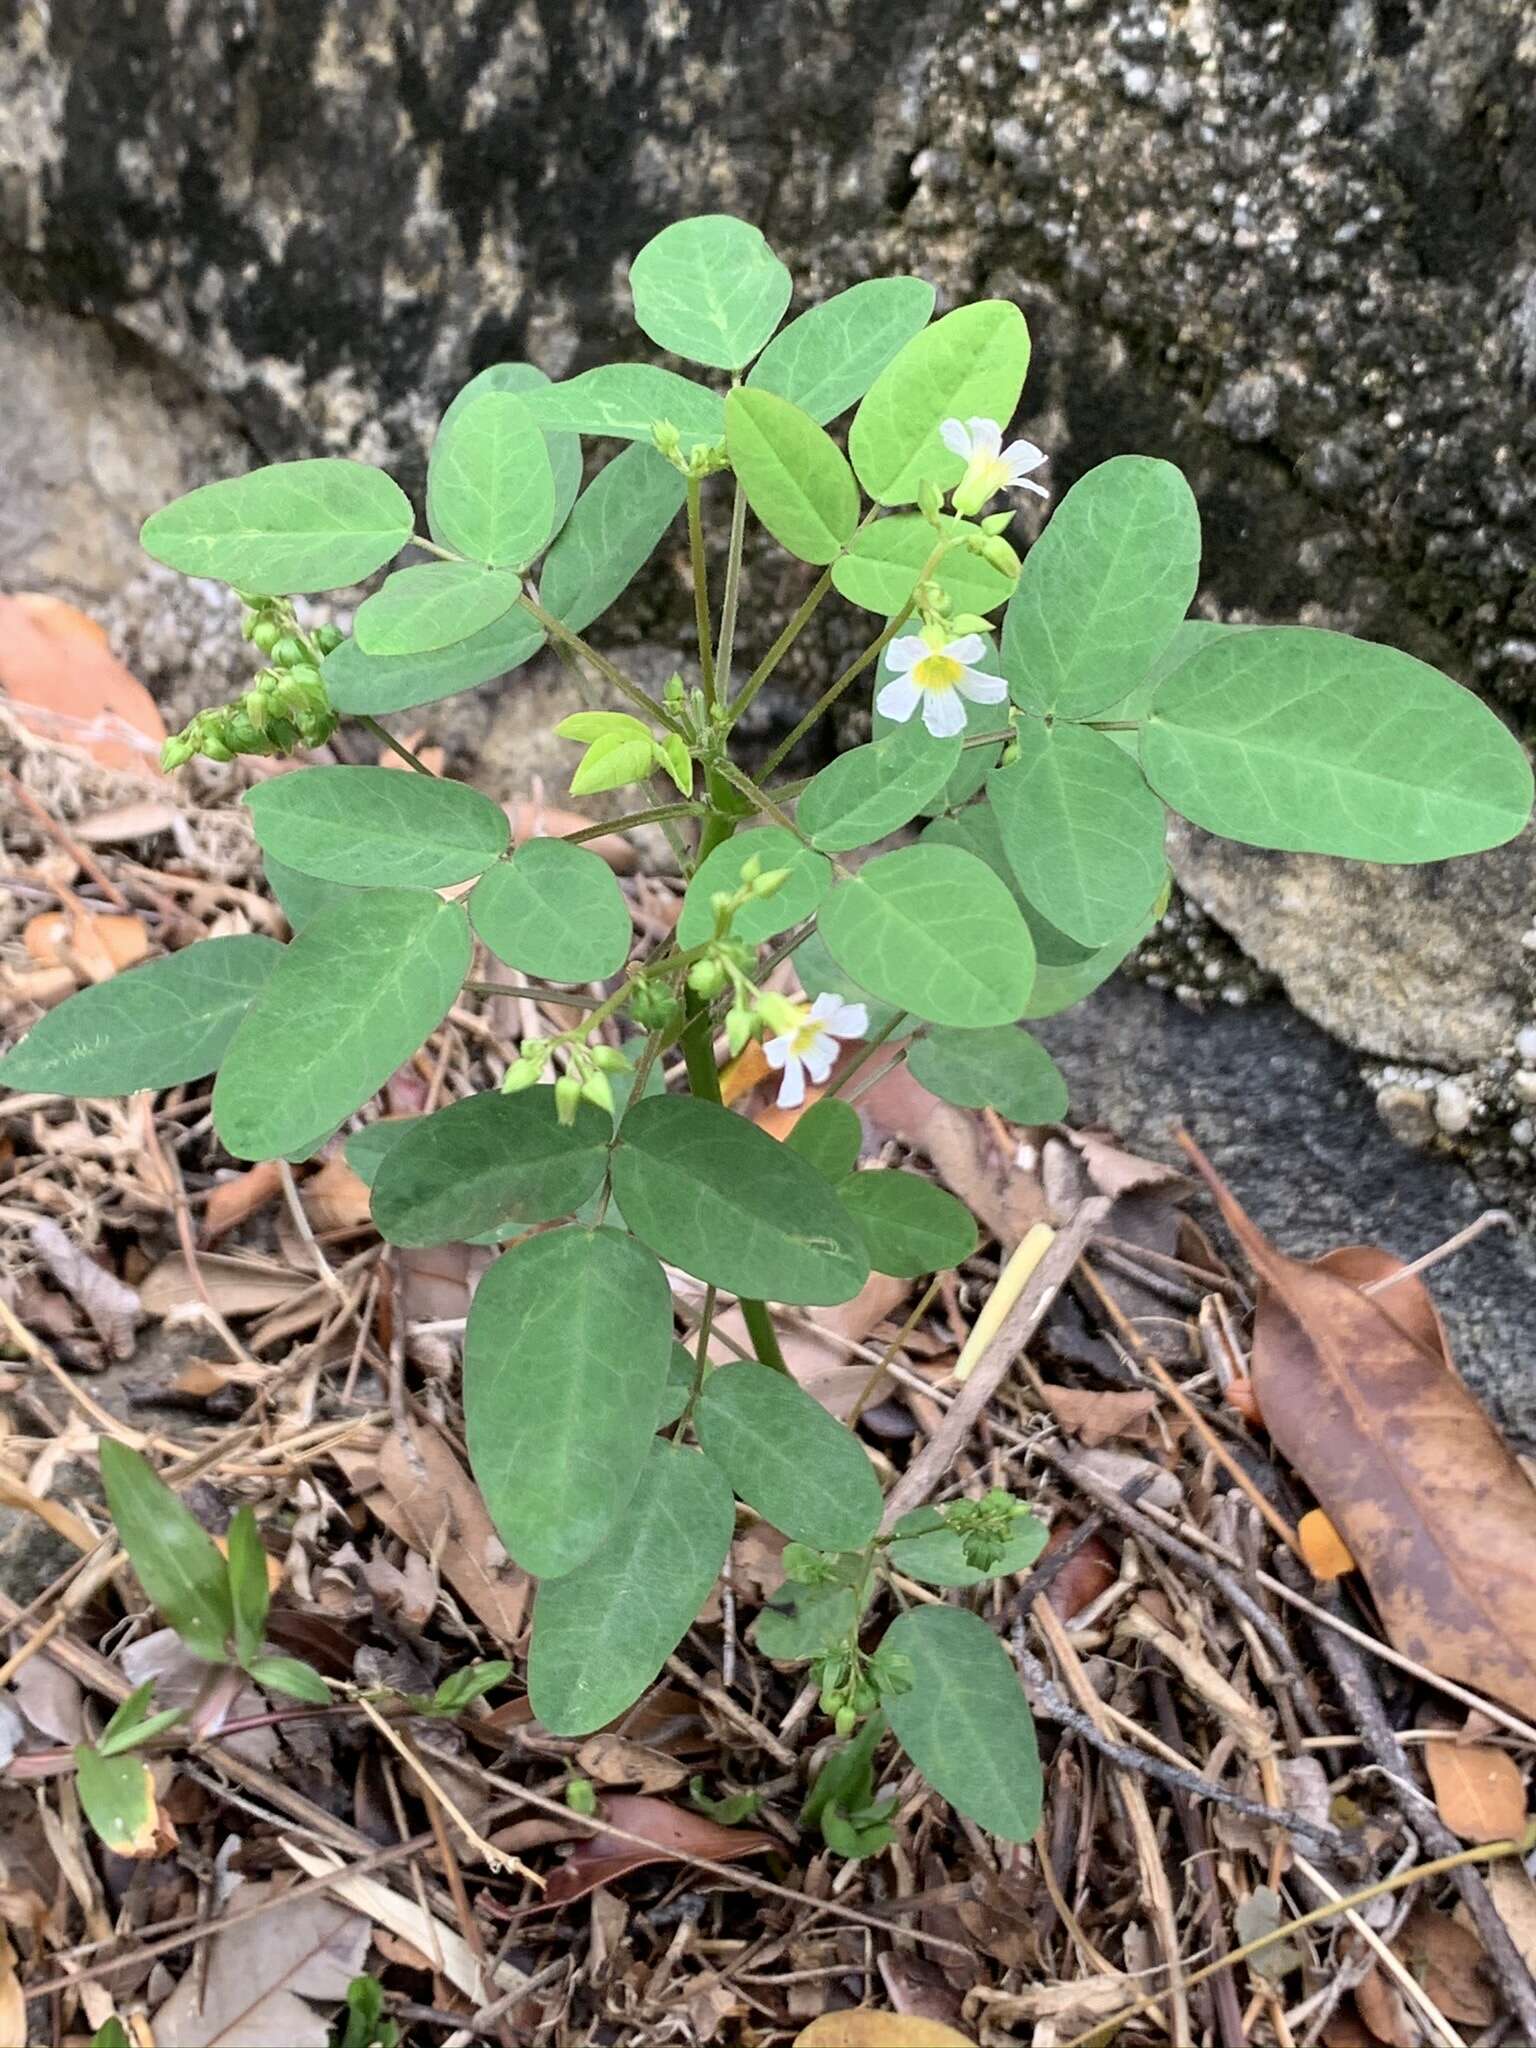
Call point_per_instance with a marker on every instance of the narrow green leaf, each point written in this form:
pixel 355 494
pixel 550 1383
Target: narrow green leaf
pixel 1081 829
pixel 565 1358
pixel 292 527
pixel 970 364
pixel 709 289
pixel 709 1192
pixel 1104 588
pixel 611 535
pixel 1289 737
pixel 873 790
pixel 603 1632
pixel 965 1722
pixel 376 683
pixel 787 1458
pixel 177 1561
pixel 249 1592
pixel 934 931
pixel 117 1795
pixel 795 476
pixel 461 1689
pixel 810 877
pixel 799 1622
pixel 151 1027
pixel 292 1676
pixel 830 1136
pixel 924 1547
pixel 486 1162
pixel 885 560
pixel 133 1724
pixel 626 400
pixel 830 356
pixel 910 1226
pixel 299 897
pixel 554 910
pixel 356 993
pixel 564 449
pixel 377 827
pixel 1002 1069
pixel 490 484
pixel 435 604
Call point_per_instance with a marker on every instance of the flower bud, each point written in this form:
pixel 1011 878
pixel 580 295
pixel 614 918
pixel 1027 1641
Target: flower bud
pixel 264 633
pixel 328 638
pixel 995 551
pixel 929 500
pixel 997 522
pixel 751 868
pixel 706 977
pixel 287 651
pixel 598 1090
pixel 738 1030
pixel 673 692
pixel 845 1721
pixel 782 1017
pixel 771 883
pixel 568 1093
pixel 608 1059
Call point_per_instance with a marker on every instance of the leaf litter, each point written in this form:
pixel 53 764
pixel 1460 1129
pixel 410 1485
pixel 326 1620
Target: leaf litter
pixel 278 1354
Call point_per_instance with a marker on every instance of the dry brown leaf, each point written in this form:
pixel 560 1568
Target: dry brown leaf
pixel 92 944
pixel 13 2003
pixel 237 1286
pixel 114 1309
pixel 1407 1302
pixel 1415 1478
pixel 539 821
pixel 865 2028
pixel 1093 1418
pixel 611 1760
pixel 1386 2012
pixel 1447 1959
pixel 1514 1895
pixel 823 1366
pixel 65 684
pixel 1087 1574
pixel 675 1833
pixel 1478 1789
pixel 335 1198
pixel 141 820
pixel 1327 1554
pixel 964 1152
pixel 259 1975
pixel 1113 1171
pixel 232 1201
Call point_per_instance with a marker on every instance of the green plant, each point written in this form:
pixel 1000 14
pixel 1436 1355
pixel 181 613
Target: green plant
pixel 1041 758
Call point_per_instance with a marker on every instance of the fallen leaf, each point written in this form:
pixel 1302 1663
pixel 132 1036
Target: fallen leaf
pixel 113 1308
pixel 236 1285
pixel 816 1357
pixel 1114 1171
pixel 742 1074
pixel 676 1835
pixel 65 684
pixel 92 944
pixel 232 1201
pixel 259 1975
pixel 141 820
pixel 611 1760
pixel 1385 2010
pixel 1094 1418
pixel 538 821
pixel 1478 1789
pixel 1407 1302
pixel 13 2003
pixel 1514 1895
pixel 1325 1550
pixel 51 1699
pixel 1419 1484
pixel 964 1150
pixel 1087 1574
pixel 1447 1959
pixel 335 1198
pixel 863 2027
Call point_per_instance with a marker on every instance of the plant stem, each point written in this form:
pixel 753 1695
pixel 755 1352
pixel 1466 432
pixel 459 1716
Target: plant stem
pixel 764 802
pixel 781 646
pixel 866 1052
pixel 730 595
pixel 625 685
pixel 700 590
pixel 395 746
pixel 572 1000
pixel 658 814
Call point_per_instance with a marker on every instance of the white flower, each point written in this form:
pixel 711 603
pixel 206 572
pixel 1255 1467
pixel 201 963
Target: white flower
pixel 812 1046
pixel 937 675
pixel 990 467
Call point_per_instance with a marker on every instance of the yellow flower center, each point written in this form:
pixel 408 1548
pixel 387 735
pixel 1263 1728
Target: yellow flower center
pixel 806 1034
pixel 937 672
pixel 985 475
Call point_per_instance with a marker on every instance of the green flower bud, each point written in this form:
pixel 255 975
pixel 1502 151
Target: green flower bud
pixel 328 638
pixel 598 1090
pixel 673 692
pixel 751 868
pixel 217 748
pixel 771 883
pixel 738 1030
pixel 568 1094
pixel 706 977
pixel 721 903
pixel 303 675
pixel 264 633
pixel 845 1721
pixel 177 750
pixel 970 622
pixel 581 1796
pixel 518 1077
pixel 653 1006
pixel 995 551
pixel 997 522
pixel 929 500
pixel 287 651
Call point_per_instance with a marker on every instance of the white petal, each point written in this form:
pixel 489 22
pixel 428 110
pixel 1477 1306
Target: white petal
pixel 850 1021
pixel 968 648
pixel 1023 456
pixel 943 713
pixel 955 438
pixel 821 1058
pixel 1024 484
pixel 986 436
pixel 899 699
pixel 982 689
pixel 826 1006
pixel 906 653
pixel 778 1051
pixel 792 1087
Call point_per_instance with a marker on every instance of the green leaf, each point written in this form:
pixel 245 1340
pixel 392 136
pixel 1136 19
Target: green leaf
pixel 490 484
pixel 787 1458
pixel 1188 639
pixel 366 1150
pixel 678 1390
pixel 884 561
pixel 602 1632
pixel 435 604
pixel 795 476
pixel 292 527
pixel 830 1136
pixel 249 1591
pixel 1081 829
pixel 461 1689
pixel 1308 741
pixel 117 1795
pixel 486 1162
pixel 133 1724
pixel 965 1722
pixel 799 1622
pixel 299 897
pixel 554 910
pixel 1002 1069
pixel 1104 588
pixel 611 763
pixel 830 356
pixel 810 877
pixel 565 1358
pixel 564 449
pixel 934 931
pixel 872 790
pixel 356 993
pixel 820 974
pixel 709 1192
pixel 177 1561
pixel 292 1676
pixel 151 1027
pixel 610 535
pixel 970 364
pixel 909 1225
pixel 709 289
pixel 376 683
pixel 111 2034
pixel 626 400
pixel 377 827
pixel 925 1547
